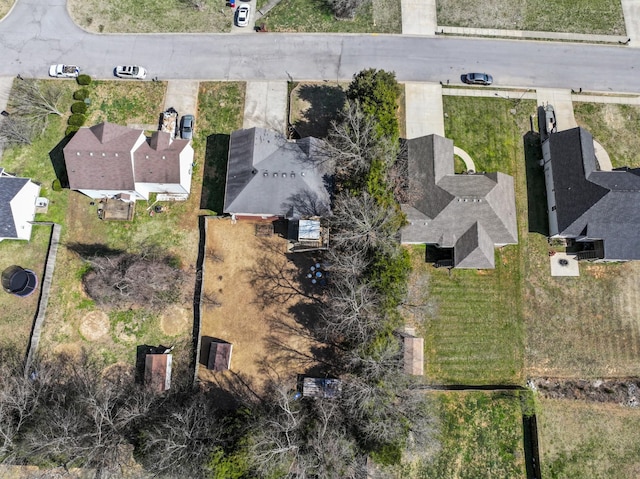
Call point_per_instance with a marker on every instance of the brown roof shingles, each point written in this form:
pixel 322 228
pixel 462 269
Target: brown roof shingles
pixel 100 157
pixel 158 159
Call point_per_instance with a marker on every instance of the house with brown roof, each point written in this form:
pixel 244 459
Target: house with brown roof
pixel 461 218
pixel 109 160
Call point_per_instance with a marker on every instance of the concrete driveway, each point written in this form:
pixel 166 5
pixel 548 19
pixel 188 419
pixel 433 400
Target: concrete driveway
pixel 183 96
pixel 424 111
pixel 265 105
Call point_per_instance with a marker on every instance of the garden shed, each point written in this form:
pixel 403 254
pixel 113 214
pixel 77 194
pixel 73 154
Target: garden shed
pixel 157 371
pixel 321 387
pixel 219 356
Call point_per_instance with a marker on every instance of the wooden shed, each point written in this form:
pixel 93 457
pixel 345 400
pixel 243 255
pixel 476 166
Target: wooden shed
pixel 413 355
pixel 219 356
pixel 321 387
pixel 157 371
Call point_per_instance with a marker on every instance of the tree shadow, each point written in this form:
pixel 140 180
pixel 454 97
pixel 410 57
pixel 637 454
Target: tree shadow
pixel 278 278
pixel 56 155
pixel 229 390
pixel 536 189
pixel 325 104
pixel 215 172
pixel 93 249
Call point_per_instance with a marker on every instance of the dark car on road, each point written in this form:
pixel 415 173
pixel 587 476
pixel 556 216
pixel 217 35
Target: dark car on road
pixel 478 79
pixel 186 127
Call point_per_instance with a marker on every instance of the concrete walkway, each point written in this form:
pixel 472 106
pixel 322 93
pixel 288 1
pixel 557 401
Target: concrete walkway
pixel 631 12
pixel 464 156
pixel 419 17
pixel 265 105
pixel 531 35
pixel 424 111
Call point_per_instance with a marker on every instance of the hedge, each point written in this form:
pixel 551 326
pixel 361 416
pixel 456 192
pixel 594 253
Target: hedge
pixel 84 80
pixel 79 107
pixel 81 94
pixel 77 119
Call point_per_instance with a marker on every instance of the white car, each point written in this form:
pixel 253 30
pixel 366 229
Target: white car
pixel 242 15
pixel 64 71
pixel 131 71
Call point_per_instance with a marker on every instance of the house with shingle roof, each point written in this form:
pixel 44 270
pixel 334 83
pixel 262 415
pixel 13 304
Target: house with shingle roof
pixel 109 160
pixel 461 218
pixel 270 176
pixel 599 211
pixel 17 206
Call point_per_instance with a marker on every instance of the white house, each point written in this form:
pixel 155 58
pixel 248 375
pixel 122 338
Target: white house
pixel 17 206
pixel 109 160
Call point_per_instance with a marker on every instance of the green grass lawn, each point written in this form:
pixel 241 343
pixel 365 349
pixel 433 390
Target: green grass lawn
pixel 615 127
pixel 149 16
pixel 473 326
pixel 586 16
pixel 376 16
pixel 220 111
pixel 579 439
pixel 480 435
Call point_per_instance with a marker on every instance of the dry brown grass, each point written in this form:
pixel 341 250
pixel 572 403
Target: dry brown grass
pixel 148 16
pixel 580 439
pixel 5 6
pixel 581 327
pixel 268 342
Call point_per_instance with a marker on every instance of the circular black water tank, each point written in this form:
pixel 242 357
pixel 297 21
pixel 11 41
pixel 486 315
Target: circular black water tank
pixel 19 281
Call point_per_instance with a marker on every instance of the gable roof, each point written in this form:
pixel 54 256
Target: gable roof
pixel 157 160
pixel 269 175
pixel 600 205
pixel 99 157
pixel 14 219
pixel 470 213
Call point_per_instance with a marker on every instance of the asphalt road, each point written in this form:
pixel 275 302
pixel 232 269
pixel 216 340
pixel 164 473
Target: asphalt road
pixel 38 33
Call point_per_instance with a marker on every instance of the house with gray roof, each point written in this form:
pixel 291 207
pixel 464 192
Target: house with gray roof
pixel 109 160
pixel 18 198
pixel 461 218
pixel 270 176
pixel 599 211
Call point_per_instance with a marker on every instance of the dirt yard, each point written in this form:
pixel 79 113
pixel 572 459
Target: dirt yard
pixel 255 297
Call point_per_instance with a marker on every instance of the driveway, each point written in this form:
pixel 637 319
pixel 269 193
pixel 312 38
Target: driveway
pixel 183 96
pixel 265 105
pixel 424 111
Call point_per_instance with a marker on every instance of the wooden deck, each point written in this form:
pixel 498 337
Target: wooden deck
pixel 117 210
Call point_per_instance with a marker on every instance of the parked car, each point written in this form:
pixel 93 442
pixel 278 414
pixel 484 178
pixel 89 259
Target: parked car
pixel 131 71
pixel 64 71
pixel 186 127
pixel 478 79
pixel 242 15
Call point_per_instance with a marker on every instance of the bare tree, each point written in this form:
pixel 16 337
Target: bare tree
pixel 141 279
pixel 354 144
pixel 82 419
pixel 35 99
pixel 17 130
pixel 181 435
pixel 351 314
pixel 361 225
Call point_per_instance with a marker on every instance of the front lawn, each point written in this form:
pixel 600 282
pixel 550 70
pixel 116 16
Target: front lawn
pixel 151 16
pixel 379 16
pixel 587 16
pixel 615 127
